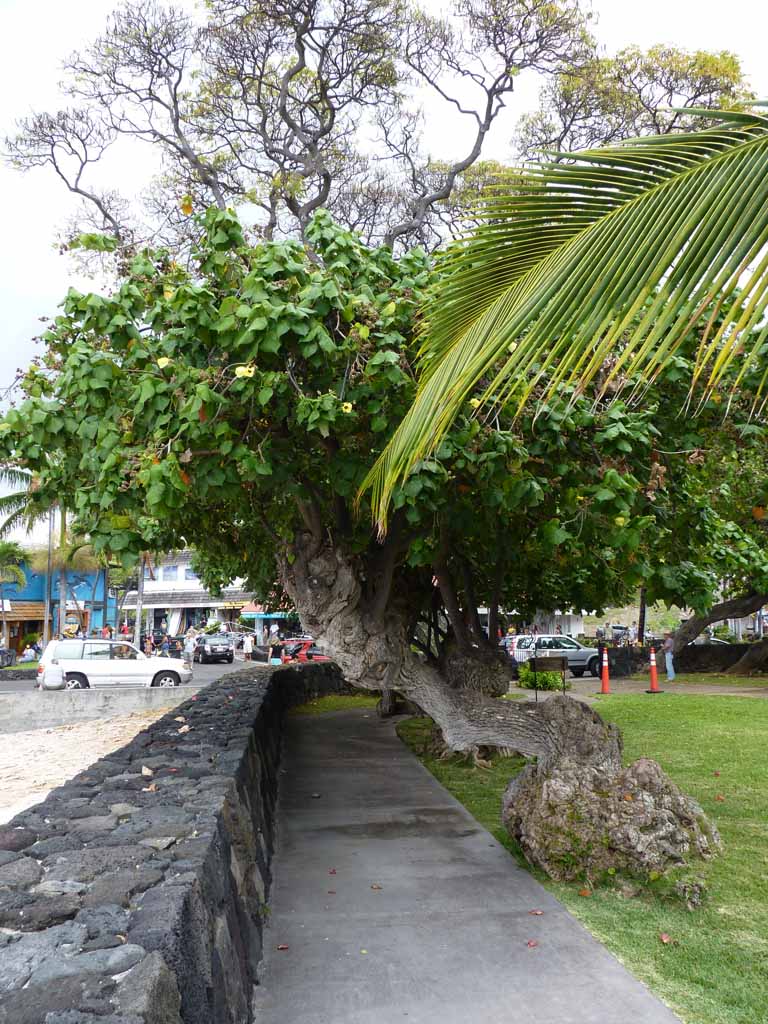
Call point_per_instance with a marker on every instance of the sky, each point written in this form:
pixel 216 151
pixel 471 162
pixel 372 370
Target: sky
pixel 36 34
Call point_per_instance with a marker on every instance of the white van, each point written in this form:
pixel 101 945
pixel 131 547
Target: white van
pixel 94 662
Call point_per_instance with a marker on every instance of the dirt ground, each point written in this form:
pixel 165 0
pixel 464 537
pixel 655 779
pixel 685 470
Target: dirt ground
pixel 35 762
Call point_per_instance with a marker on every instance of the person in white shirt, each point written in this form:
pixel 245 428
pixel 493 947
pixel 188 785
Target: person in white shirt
pixel 247 646
pixel 53 676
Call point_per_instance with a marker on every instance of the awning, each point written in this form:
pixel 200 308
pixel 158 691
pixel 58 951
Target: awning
pixel 25 611
pixel 264 615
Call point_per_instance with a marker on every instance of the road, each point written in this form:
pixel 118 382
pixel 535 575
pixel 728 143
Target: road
pixel 202 673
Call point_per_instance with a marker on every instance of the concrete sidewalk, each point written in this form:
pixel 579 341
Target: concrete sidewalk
pixel 395 905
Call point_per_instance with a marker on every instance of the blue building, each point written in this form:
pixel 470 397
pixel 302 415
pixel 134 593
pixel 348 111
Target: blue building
pixel 89 603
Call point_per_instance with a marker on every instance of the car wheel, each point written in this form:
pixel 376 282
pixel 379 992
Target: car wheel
pixel 230 659
pixel 166 679
pixel 578 672
pixel 75 681
pixel 594 667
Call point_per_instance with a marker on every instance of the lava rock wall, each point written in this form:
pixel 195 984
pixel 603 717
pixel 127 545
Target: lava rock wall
pixel 136 893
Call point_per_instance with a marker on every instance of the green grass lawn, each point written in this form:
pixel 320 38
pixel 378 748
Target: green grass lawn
pixel 25 665
pixel 335 702
pixel 706 679
pixel 715 971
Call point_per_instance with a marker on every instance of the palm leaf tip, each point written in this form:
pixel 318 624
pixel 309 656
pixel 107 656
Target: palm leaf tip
pixel 611 259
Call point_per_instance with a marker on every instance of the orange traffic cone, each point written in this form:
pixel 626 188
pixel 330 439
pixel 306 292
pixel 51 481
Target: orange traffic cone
pixel 605 682
pixel 654 675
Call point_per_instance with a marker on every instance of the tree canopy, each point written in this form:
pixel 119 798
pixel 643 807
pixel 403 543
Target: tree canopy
pixel 280 106
pixel 239 402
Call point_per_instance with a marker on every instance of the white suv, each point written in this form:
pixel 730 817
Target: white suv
pixel 94 662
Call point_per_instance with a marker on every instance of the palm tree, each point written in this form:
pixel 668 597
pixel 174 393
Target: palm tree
pixel 11 557
pixel 601 264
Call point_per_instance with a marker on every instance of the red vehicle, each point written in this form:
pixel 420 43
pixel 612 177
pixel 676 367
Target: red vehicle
pixel 302 650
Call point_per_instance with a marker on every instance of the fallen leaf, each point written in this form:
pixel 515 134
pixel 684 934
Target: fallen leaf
pixel 183 729
pixel 283 946
pixel 315 796
pixel 628 797
pixel 666 939
pixel 720 798
pixel 146 771
pixel 716 774
pixel 376 886
pixel 531 943
pixel 331 892
pixel 122 938
pixel 364 952
pixel 151 788
pixel 536 913
pixel 332 871
pixel 180 718
pixel 585 892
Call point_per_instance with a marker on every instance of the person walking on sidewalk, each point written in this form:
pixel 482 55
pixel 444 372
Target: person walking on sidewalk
pixel 247 646
pixel 669 651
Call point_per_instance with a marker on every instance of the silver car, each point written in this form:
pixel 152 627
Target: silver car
pixel 581 659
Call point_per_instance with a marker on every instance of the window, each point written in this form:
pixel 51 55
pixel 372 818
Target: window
pixel 69 651
pixel 96 652
pixel 125 652
pixel 524 642
pixel 190 574
pixel 170 572
pixel 568 644
pixel 548 643
pixel 147 572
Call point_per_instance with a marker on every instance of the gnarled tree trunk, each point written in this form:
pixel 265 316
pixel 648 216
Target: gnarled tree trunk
pixel 570 810
pixel 755 660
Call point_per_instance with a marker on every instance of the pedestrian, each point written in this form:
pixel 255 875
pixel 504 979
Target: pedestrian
pixel 558 631
pixel 53 676
pixel 189 647
pixel 274 642
pixel 165 646
pixel 669 651
pixel 124 629
pixel 148 645
pixel 248 646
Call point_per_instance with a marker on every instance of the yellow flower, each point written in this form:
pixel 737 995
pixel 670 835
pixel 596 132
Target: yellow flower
pixel 346 407
pixel 620 520
pixel 474 402
pixel 245 371
pixel 186 206
pixel 168 293
pixel 163 361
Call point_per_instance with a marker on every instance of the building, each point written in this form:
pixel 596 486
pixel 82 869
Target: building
pixel 175 598
pixel 89 603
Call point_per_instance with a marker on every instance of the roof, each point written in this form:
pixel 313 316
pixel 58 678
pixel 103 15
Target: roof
pixel 189 599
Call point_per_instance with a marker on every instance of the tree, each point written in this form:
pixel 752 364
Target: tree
pixel 237 404
pixel 525 305
pixel 609 99
pixel 277 105
pixel 11 557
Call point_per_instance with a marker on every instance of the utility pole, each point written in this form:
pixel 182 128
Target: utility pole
pixel 139 604
pixel 48 571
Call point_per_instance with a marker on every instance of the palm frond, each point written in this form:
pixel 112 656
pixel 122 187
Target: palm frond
pixel 602 263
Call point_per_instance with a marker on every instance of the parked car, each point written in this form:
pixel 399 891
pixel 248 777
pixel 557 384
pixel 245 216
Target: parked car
pixel 581 659
pixel 509 641
pixel 214 647
pixel 95 663
pixel 304 650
